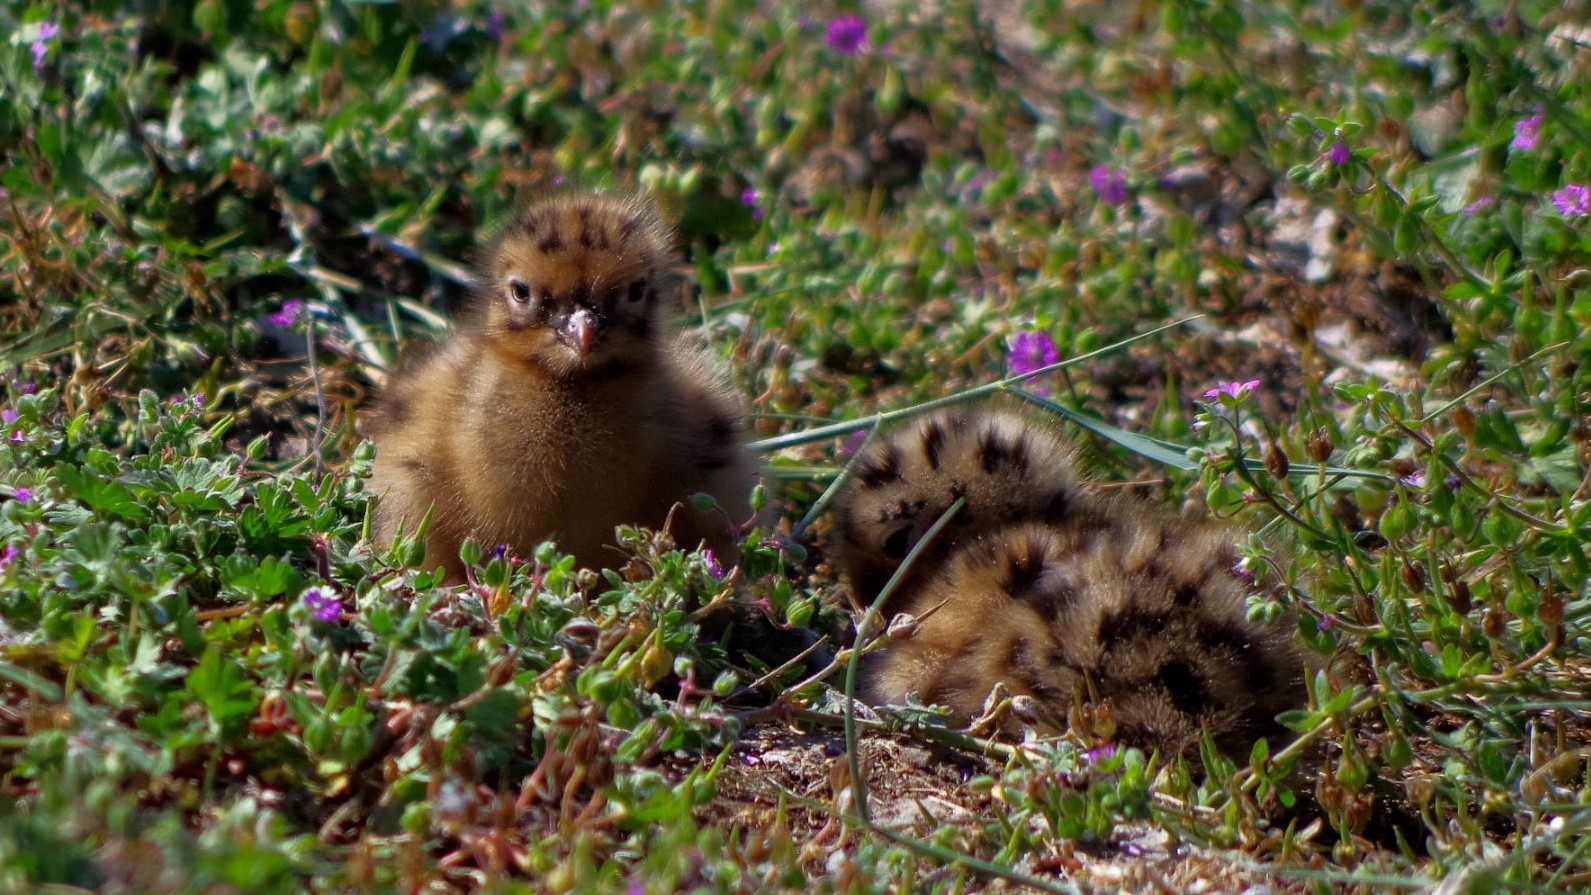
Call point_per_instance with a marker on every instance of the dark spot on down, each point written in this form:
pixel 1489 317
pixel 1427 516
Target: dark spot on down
pixel 879 469
pixel 994 452
pixel 933 441
pixel 1052 600
pixel 1122 626
pixel 552 242
pixel 632 226
pixel 1023 566
pixel 1058 507
pixel 1184 688
pixel 1259 674
pixel 1186 595
pixel 586 239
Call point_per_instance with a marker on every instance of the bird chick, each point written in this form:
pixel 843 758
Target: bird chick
pixel 561 408
pixel 1004 468
pixel 1057 591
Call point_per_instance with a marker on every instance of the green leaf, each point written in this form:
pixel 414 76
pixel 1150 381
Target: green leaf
pixel 223 687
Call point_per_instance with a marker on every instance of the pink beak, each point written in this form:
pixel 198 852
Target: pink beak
pixel 582 329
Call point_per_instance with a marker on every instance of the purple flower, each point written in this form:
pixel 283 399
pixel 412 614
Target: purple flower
pixel 1573 199
pixel 1110 185
pixel 18 437
pixel 6 556
pixel 1339 154
pixel 290 313
pixel 1236 391
pixel 500 551
pixel 748 198
pixel 1414 479
pixel 1031 350
pixel 846 34
pixel 28 388
pixel 1478 206
pixel 323 604
pixel 8 416
pixel 714 567
pixel 41 45
pixel 22 495
pixel 1454 483
pixel 1527 131
pixel 1243 573
pixel 853 442
pixel 1101 753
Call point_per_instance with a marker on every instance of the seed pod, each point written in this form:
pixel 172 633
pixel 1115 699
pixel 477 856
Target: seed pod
pixel 1494 622
pixel 1320 444
pixel 1414 577
pixel 1276 461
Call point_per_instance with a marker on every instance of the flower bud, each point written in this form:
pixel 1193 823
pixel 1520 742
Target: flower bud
pixel 902 626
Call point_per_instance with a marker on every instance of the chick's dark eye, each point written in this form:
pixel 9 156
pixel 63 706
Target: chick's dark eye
pixel 637 291
pixel 896 545
pixel 519 290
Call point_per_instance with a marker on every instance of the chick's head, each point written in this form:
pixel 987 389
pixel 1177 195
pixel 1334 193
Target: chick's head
pixel 574 283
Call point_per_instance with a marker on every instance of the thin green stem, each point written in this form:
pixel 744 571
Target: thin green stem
pixel 864 628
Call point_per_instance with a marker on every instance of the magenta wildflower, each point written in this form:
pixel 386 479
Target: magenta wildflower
pixel 1236 391
pixel 1527 131
pixel 853 442
pixel 1101 753
pixel 1244 573
pixel 1414 479
pixel 748 198
pixel 291 313
pixel 714 567
pixel 8 416
pixel 1110 185
pixel 22 495
pixel 6 556
pixel 1031 350
pixel 41 45
pixel 1574 199
pixel 18 437
pixel 1339 153
pixel 323 604
pixel 846 34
